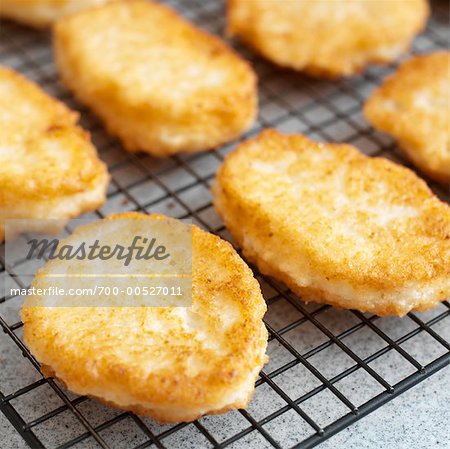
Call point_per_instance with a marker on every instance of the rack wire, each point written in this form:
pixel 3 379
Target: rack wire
pixel 301 399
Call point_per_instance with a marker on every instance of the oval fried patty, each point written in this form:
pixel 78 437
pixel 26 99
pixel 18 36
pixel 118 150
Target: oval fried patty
pixel 41 13
pixel 158 82
pixel 48 165
pixel 413 105
pixel 327 37
pixel 336 226
pixel 170 363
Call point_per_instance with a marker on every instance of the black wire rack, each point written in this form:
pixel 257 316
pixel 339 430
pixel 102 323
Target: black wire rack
pixel 327 368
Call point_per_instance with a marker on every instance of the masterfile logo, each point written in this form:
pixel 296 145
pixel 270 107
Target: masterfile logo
pixel 141 248
pixel 104 263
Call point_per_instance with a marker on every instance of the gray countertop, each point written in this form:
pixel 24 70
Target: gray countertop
pixel 418 419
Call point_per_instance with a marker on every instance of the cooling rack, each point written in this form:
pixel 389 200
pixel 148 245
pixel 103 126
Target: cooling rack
pixel 327 368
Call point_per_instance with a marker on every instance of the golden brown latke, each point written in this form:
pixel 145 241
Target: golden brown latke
pixel 328 38
pixel 42 13
pixel 158 82
pixel 335 225
pixel 48 165
pixel 413 105
pixel 170 363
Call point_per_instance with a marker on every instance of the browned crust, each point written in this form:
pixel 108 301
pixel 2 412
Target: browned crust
pixel 351 221
pixel 328 39
pixel 41 13
pixel 60 338
pixel 413 106
pixel 173 110
pixel 33 124
pixel 161 418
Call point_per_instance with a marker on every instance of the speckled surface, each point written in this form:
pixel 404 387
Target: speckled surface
pixel 417 419
pixel 9 438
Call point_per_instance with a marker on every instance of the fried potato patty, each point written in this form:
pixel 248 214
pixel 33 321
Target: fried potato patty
pixel 41 13
pixel 413 105
pixel 328 38
pixel 159 83
pixel 336 226
pixel 170 363
pixel 48 165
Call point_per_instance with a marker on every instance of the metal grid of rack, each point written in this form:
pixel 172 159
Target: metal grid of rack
pixel 301 399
